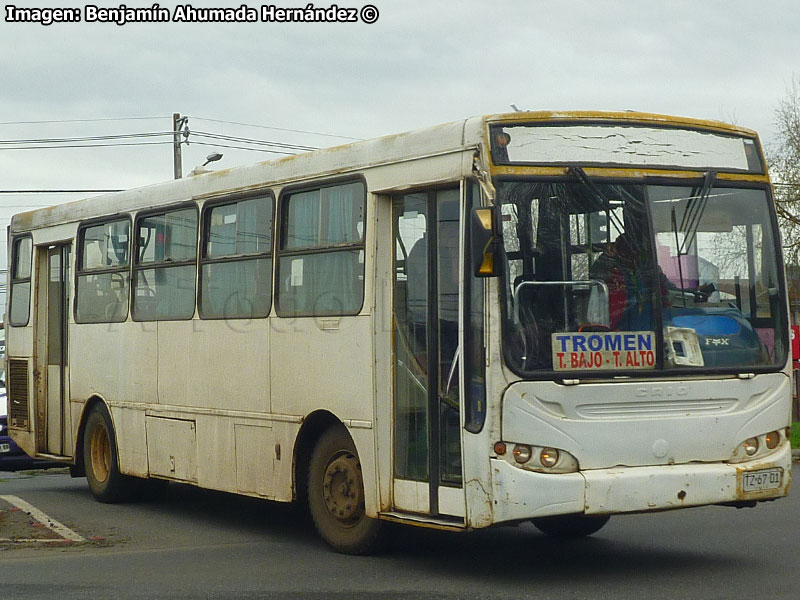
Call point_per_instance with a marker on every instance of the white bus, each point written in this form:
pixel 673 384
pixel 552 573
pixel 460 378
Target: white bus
pixel 540 316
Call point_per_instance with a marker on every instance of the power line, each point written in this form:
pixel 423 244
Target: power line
pixel 345 137
pixel 83 146
pixel 54 143
pixel 81 120
pixel 90 138
pixel 232 138
pixel 56 147
pixel 242 148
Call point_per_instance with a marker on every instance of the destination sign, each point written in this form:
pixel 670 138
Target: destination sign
pixel 603 350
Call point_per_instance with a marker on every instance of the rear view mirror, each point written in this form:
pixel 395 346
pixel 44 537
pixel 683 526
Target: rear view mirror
pixel 483 242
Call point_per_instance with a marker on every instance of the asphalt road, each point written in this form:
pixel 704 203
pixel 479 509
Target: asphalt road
pixel 201 544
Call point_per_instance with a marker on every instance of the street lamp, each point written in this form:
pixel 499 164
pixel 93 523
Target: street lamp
pixel 214 157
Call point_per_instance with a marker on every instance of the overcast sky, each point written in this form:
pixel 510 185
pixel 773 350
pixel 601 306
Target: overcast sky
pixel 421 63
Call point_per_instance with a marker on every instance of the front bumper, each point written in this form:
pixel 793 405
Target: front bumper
pixel 521 494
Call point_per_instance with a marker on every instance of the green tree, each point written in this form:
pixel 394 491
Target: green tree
pixel 783 158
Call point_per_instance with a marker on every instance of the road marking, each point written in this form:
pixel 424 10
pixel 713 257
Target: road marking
pixel 35 540
pixel 62 530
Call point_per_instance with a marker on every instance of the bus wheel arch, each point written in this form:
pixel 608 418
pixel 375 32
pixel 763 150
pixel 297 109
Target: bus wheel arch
pixel 314 425
pixel 77 469
pixel 99 455
pixel 336 495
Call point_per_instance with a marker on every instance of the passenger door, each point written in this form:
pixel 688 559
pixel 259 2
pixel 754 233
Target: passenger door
pixel 53 425
pixel 427 470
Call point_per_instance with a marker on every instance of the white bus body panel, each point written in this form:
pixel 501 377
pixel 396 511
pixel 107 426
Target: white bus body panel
pixel 214 364
pixel 117 361
pixel 639 445
pixel 610 491
pixel 643 423
pixel 521 495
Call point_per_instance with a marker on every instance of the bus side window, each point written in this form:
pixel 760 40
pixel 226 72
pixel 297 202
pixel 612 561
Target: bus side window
pixel 19 312
pixel 474 343
pixel 103 279
pixel 321 256
pixel 236 271
pixel 166 266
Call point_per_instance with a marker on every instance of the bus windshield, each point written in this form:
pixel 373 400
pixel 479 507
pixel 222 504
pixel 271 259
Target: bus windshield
pixel 631 278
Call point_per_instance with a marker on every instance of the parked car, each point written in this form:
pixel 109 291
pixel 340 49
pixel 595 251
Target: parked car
pixel 11 457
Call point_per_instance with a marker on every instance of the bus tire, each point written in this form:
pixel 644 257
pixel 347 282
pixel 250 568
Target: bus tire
pixel 101 461
pixel 336 495
pixel 570 526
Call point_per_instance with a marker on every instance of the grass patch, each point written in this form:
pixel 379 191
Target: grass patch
pixel 796 434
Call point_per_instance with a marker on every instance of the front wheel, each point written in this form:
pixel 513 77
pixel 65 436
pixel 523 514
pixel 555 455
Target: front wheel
pixel 336 495
pixel 570 526
pixel 100 459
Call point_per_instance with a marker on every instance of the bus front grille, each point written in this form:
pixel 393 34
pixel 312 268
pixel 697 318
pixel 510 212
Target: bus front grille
pixel 18 393
pixel 651 408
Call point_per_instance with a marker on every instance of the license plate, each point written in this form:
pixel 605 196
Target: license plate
pixel 766 479
pixel 5 448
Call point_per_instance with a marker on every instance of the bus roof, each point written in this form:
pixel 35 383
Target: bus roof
pixel 346 159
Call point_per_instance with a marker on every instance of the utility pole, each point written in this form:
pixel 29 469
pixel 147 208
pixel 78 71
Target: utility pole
pixel 177 123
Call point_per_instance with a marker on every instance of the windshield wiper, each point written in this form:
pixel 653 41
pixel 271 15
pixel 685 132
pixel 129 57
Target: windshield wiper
pixel 695 208
pixel 690 221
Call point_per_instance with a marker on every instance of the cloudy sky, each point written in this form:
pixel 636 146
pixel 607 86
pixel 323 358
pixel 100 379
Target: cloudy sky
pixel 421 63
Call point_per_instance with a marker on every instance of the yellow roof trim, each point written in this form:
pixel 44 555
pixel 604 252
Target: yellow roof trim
pixel 619 116
pixel 622 173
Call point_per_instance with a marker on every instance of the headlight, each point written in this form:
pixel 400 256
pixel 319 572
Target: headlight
pixel 522 453
pixel 549 457
pixel 537 458
pixel 760 445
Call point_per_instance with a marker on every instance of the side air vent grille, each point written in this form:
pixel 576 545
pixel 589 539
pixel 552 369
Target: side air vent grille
pixel 18 393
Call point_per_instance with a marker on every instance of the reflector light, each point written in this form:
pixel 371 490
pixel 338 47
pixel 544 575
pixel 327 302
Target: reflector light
pixel 500 448
pixel 487 266
pixel 485 216
pixel 773 439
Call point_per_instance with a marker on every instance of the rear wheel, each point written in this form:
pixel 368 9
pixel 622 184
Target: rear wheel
pixel 100 459
pixel 570 526
pixel 336 495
